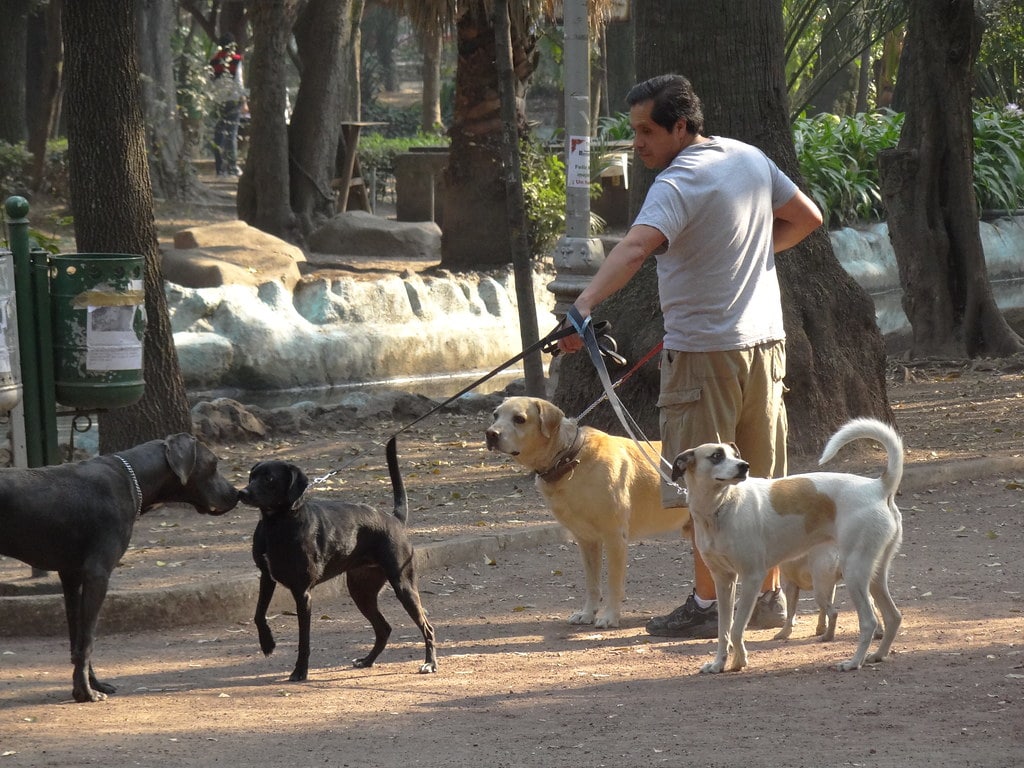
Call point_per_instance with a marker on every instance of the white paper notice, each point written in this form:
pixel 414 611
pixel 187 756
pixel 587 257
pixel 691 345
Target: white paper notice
pixel 577 169
pixel 111 342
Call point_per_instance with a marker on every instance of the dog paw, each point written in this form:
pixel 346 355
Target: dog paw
pixel 582 617
pixel 88 695
pixel 848 666
pixel 603 622
pixel 362 663
pixel 298 676
pixel 428 667
pixel 712 668
pixel 783 634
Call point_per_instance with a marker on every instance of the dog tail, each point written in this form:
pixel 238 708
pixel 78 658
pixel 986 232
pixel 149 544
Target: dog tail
pixel 401 500
pixel 871 429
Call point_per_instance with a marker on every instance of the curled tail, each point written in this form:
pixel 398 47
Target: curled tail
pixel 871 429
pixel 401 500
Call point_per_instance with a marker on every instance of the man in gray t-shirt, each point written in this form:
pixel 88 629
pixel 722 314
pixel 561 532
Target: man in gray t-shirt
pixel 722 209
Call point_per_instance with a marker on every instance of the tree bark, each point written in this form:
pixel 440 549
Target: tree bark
pixel 43 116
pixel 13 42
pixel 430 41
pixel 927 186
pixel 474 185
pixel 835 353
pixel 324 36
pixel 263 190
pixel 112 199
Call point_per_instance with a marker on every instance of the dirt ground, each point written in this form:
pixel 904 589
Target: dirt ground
pixel 517 686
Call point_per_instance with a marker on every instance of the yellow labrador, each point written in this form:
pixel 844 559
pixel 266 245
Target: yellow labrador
pixel 744 526
pixel 600 487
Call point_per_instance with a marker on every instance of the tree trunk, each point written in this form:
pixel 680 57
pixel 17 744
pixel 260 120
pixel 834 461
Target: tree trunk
pixel 927 186
pixel 323 34
pixel 619 39
pixel 835 354
pixel 837 94
pixel 47 104
pixel 13 41
pixel 112 199
pixel 170 167
pixel 263 190
pixel 474 184
pixel 430 41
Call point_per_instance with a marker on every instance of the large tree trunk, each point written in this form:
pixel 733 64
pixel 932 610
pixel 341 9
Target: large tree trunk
pixel 112 199
pixel 324 35
pixel 474 181
pixel 927 185
pixel 835 354
pixel 13 40
pixel 263 190
pixel 170 167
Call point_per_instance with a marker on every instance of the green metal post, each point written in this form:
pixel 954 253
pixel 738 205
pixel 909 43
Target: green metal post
pixel 44 342
pixel 17 227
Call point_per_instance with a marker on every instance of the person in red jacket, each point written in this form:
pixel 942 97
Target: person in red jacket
pixel 229 98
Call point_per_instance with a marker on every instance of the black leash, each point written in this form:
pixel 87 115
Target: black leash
pixel 604 343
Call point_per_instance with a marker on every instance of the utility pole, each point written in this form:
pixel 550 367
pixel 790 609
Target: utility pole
pixel 577 256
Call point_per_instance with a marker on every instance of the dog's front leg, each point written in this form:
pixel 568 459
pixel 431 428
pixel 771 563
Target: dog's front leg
pixel 611 610
pixel 750 588
pixel 590 551
pixel 304 610
pixel 725 587
pixel 266 636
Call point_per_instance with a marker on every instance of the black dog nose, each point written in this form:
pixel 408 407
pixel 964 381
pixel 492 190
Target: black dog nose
pixel 492 437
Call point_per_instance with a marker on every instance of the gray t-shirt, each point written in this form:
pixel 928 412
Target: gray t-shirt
pixel 716 279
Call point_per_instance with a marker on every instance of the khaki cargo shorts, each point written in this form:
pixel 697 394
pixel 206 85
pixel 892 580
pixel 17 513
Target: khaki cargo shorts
pixel 725 397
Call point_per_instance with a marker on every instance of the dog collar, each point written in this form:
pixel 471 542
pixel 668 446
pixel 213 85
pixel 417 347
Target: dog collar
pixel 136 488
pixel 567 462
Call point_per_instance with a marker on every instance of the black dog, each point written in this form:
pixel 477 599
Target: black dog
pixel 77 520
pixel 301 543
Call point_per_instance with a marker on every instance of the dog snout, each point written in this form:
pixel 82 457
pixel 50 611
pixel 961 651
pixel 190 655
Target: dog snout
pixel 493 437
pixel 742 470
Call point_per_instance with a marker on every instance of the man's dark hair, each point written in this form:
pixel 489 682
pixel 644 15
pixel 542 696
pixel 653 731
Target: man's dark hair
pixel 673 99
pixel 226 39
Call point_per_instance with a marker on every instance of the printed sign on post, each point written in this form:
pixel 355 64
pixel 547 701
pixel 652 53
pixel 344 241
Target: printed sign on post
pixel 577 167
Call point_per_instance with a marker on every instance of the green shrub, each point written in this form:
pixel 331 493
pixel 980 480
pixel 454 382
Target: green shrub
pixel 838 159
pixel 15 162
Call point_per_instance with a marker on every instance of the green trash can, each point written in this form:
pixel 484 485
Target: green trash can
pixel 99 320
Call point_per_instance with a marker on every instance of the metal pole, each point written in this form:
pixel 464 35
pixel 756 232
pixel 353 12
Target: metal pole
pixel 577 256
pixel 17 226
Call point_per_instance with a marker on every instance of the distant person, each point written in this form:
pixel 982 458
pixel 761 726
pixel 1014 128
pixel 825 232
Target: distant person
pixel 229 99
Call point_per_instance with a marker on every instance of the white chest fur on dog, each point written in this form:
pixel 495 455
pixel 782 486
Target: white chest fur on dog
pixel 744 526
pixel 602 488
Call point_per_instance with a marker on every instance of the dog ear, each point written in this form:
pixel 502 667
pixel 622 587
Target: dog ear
pixel 736 450
pixel 683 462
pixel 298 485
pixel 550 417
pixel 180 451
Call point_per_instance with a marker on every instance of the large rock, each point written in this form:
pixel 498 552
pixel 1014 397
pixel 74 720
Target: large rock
pixel 358 233
pixel 230 253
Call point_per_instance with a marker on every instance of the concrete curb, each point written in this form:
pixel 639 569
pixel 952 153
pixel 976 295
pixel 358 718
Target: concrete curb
pixel 234 599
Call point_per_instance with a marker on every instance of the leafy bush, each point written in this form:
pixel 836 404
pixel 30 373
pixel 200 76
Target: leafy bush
pixel 15 162
pixel 838 159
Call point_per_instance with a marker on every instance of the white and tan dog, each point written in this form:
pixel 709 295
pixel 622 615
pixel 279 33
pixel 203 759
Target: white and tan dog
pixel 599 486
pixel 745 526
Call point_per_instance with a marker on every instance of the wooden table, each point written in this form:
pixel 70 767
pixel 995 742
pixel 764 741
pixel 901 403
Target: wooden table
pixel 349 181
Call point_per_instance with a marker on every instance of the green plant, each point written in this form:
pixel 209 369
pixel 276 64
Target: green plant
pixel 14 164
pixel 999 158
pixel 544 180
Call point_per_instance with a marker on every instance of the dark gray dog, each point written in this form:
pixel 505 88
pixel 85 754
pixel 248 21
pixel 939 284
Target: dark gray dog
pixel 301 543
pixel 77 520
